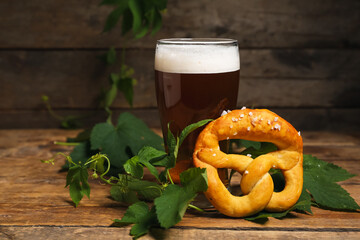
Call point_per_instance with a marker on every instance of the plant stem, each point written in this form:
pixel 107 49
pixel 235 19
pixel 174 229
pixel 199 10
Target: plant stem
pixel 108 167
pixel 196 208
pixel 67 143
pixel 169 176
pixel 49 108
pixel 99 156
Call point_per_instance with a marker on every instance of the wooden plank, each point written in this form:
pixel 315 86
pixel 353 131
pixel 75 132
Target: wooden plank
pixel 329 138
pixel 314 119
pixel 104 233
pixel 36 196
pixel 333 153
pixel 286 23
pixel 49 209
pixel 42 119
pixel 270 78
pixel 10 140
pixel 40 138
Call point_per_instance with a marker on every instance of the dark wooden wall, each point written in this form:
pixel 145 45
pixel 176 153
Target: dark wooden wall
pixel 298 58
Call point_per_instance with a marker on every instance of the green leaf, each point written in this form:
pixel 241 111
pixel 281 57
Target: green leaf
pixel 173 147
pixel 128 189
pixel 172 204
pixel 303 204
pixel 109 58
pixel 114 78
pixel 146 189
pixel 161 162
pixel 305 199
pixel 71 122
pixel 99 134
pixel 156 23
pixel 142 227
pixel 147 155
pixel 333 172
pixel 320 180
pixel 160 4
pixel 77 180
pixel 85 187
pixel 110 95
pixel 152 155
pixel 123 141
pixel 174 144
pixel 151 168
pixel 194 179
pixel 126 71
pixel 133 167
pixel 171 141
pixel 134 213
pixel 328 194
pixel 266 215
pixel 150 15
pixel 115 15
pixel 122 193
pixel 142 32
pixel 106 138
pixel 192 127
pixel 163 176
pixel 81 153
pixel 125 85
pixel 127 22
pixel 136 11
pixel 248 144
pixel 98 165
pixel 278 179
pixel 265 148
pixel 278 215
pixel 81 137
pixel 139 215
pixel 137 133
pixel 44 98
pixel 72 171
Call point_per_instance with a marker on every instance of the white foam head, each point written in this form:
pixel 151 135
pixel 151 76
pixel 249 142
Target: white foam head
pixel 197 56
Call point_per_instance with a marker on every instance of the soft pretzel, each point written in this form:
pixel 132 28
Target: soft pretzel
pixel 256 184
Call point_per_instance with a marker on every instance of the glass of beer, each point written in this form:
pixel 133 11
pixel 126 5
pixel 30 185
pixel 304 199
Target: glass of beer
pixel 195 79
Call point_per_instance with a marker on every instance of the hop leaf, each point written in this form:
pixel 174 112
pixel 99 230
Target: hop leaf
pixel 77 180
pixel 172 204
pixel 320 180
pixel 129 134
pixel 142 218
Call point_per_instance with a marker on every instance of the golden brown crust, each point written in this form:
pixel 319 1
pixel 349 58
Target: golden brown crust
pixel 256 125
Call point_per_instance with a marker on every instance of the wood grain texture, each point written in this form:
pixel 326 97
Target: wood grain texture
pixel 268 78
pixel 44 232
pixel 294 55
pixel 37 206
pixel 320 119
pixel 257 24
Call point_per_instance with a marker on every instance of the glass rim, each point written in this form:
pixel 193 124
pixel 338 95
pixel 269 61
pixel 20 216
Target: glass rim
pixel 197 41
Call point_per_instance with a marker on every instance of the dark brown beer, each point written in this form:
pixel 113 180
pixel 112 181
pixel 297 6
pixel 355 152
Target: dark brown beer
pixel 188 98
pixel 195 79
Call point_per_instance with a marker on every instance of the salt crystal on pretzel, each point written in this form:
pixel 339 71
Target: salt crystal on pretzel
pixel 256 182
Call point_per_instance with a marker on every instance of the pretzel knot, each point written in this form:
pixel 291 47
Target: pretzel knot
pixel 256 183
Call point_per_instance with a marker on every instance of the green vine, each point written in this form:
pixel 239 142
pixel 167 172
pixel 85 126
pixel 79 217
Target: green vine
pixel 137 18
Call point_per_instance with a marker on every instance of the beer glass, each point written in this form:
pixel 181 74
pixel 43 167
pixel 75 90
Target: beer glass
pixel 195 79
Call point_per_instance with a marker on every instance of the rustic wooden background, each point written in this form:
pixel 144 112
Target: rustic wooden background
pixel 298 58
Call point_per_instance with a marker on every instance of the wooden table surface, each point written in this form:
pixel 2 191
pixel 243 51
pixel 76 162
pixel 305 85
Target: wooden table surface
pixel 35 205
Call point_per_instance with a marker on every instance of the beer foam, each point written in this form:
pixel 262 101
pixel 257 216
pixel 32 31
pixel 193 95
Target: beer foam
pixel 197 58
